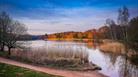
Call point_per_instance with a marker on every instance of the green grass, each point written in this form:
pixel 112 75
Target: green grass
pixel 14 71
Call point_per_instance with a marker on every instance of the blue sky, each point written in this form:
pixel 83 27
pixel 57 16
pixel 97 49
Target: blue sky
pixel 50 16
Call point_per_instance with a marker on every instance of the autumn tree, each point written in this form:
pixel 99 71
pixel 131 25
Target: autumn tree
pixel 104 33
pixel 112 26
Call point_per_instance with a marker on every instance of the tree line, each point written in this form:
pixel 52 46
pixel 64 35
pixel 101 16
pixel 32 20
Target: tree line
pixel 10 30
pixel 125 29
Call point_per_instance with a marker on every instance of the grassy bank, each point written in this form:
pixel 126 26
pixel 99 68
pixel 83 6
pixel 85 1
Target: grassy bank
pixel 14 71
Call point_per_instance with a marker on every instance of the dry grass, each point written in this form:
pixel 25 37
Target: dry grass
pixel 117 47
pixel 53 56
pixel 114 47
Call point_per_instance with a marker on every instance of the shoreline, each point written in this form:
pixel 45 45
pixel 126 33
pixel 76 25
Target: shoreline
pixel 65 73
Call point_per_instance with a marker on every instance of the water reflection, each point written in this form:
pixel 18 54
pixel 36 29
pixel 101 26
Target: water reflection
pixel 113 65
pixel 127 69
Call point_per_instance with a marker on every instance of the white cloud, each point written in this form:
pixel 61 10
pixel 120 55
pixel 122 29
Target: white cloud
pixel 73 19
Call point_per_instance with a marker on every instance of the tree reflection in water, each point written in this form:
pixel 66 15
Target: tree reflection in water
pixel 126 69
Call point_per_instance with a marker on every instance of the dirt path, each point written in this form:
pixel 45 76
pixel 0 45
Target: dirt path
pixel 64 73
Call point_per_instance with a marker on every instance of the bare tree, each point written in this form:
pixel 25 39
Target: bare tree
pixel 14 30
pixel 5 21
pixel 123 20
pixel 10 31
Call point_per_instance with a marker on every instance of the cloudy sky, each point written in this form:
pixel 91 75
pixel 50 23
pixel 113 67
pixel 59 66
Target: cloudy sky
pixel 50 16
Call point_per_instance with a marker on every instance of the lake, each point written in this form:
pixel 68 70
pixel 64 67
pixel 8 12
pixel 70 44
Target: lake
pixel 112 65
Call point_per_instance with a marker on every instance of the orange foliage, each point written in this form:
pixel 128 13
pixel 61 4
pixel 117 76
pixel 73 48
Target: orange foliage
pixel 89 34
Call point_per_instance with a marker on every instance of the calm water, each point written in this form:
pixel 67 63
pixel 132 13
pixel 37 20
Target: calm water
pixel 112 65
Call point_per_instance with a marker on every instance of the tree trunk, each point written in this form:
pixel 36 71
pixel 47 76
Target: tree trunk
pixel 9 51
pixel 2 47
